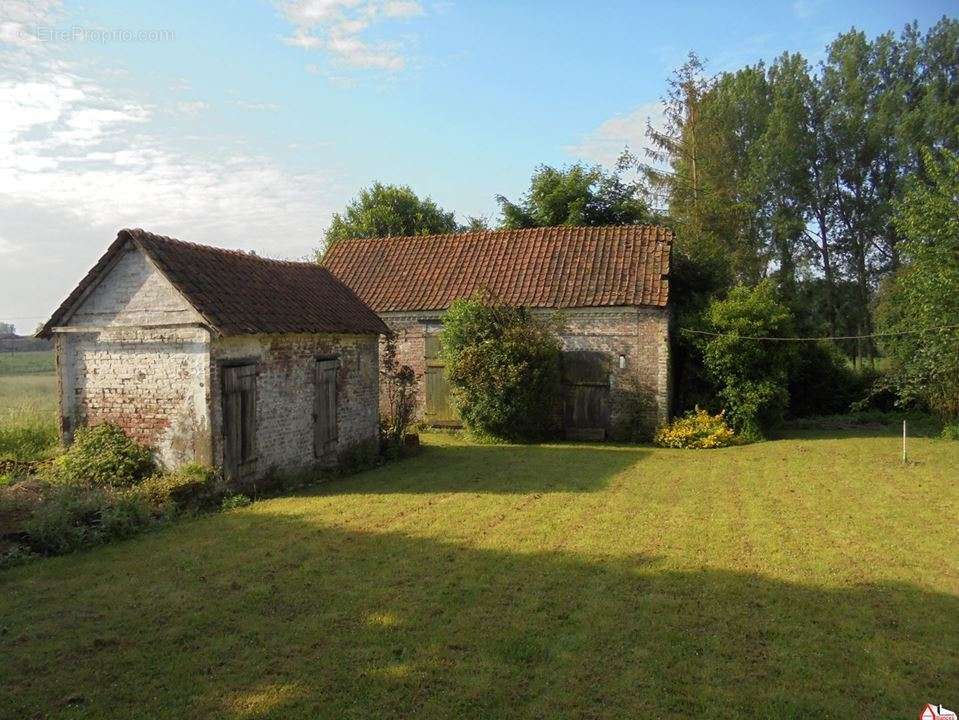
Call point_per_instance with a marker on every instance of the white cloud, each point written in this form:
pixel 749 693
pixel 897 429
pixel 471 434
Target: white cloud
pixel 606 143
pixel 19 20
pixel 337 26
pixel 253 105
pixel 402 8
pixel 78 161
pixel 192 107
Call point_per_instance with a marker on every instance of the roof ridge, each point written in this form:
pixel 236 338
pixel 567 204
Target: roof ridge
pixel 660 233
pixel 139 233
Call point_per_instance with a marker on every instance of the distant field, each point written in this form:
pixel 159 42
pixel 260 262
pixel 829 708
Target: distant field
pixel 28 413
pixel 23 363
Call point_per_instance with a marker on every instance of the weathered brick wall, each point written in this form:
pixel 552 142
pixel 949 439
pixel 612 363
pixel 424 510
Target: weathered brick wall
pixel 640 335
pixel 285 392
pixel 134 292
pixel 150 382
pixel 411 330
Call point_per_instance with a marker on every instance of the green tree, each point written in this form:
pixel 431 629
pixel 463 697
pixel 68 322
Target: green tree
pixel 924 293
pixel 752 375
pixel 389 211
pixel 503 368
pixel 577 195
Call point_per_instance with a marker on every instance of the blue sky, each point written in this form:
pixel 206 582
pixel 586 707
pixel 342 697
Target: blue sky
pixel 247 124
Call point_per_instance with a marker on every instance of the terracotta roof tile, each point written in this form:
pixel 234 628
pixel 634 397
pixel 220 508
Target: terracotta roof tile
pixel 240 293
pixel 556 267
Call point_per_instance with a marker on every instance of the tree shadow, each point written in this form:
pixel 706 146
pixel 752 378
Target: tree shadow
pixel 256 614
pixel 520 469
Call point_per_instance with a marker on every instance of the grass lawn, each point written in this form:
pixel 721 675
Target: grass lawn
pixel 806 577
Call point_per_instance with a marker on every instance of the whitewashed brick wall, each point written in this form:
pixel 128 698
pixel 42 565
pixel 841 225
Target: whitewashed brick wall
pixel 150 382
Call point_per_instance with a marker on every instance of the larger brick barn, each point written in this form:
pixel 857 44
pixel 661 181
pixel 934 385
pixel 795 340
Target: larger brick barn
pixel 219 357
pixel 611 285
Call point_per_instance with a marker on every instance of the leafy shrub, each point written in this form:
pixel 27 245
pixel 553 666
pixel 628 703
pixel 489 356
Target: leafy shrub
pixel 950 431
pixel 192 486
pixel 503 367
pixel 104 456
pixel 399 391
pixel 124 514
pixel 922 296
pixel 698 430
pixel 822 383
pixel 66 520
pixel 232 502
pixel 71 516
pixel 752 374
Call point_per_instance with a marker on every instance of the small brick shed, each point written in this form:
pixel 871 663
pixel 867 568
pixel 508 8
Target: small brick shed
pixel 218 356
pixel 610 284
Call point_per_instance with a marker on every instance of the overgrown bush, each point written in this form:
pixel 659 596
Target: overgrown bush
pixel 399 392
pixel 232 502
pixel 503 367
pixel 192 486
pixel 822 382
pixel 104 456
pixel 752 374
pixel 72 516
pixel 950 431
pixel 696 430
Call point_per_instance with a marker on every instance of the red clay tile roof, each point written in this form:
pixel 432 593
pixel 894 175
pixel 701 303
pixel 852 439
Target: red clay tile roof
pixel 238 293
pixel 553 267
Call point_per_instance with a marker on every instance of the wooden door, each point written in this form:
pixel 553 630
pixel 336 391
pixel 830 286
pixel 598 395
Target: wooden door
pixel 586 408
pixel 239 421
pixel 325 421
pixel 437 408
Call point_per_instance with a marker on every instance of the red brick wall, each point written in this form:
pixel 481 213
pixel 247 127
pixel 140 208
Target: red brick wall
pixel 641 335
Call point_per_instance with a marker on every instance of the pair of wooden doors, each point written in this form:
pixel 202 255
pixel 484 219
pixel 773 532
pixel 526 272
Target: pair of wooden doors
pixel 239 415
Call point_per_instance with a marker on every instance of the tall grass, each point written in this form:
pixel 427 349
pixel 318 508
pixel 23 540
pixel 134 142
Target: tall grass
pixel 28 420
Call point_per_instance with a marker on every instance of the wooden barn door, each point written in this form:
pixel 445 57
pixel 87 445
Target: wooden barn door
pixel 437 409
pixel 239 421
pixel 325 421
pixel 585 395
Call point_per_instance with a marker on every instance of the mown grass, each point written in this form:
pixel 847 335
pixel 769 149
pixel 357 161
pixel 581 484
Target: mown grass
pixel 808 577
pixel 28 429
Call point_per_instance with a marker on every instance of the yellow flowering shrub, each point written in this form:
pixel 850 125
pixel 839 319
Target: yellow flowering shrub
pixel 697 430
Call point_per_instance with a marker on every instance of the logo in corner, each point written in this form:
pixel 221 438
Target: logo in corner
pixel 936 712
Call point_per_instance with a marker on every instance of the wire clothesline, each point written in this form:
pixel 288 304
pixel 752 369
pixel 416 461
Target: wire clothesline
pixel 816 339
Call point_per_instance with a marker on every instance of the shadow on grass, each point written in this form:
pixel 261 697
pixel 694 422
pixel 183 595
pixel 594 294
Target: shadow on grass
pixel 521 469
pixel 841 426
pixel 251 614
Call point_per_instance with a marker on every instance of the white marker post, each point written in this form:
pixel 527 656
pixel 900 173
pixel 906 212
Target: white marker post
pixel 904 441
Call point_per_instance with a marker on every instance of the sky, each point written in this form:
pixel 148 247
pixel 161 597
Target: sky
pixel 247 124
